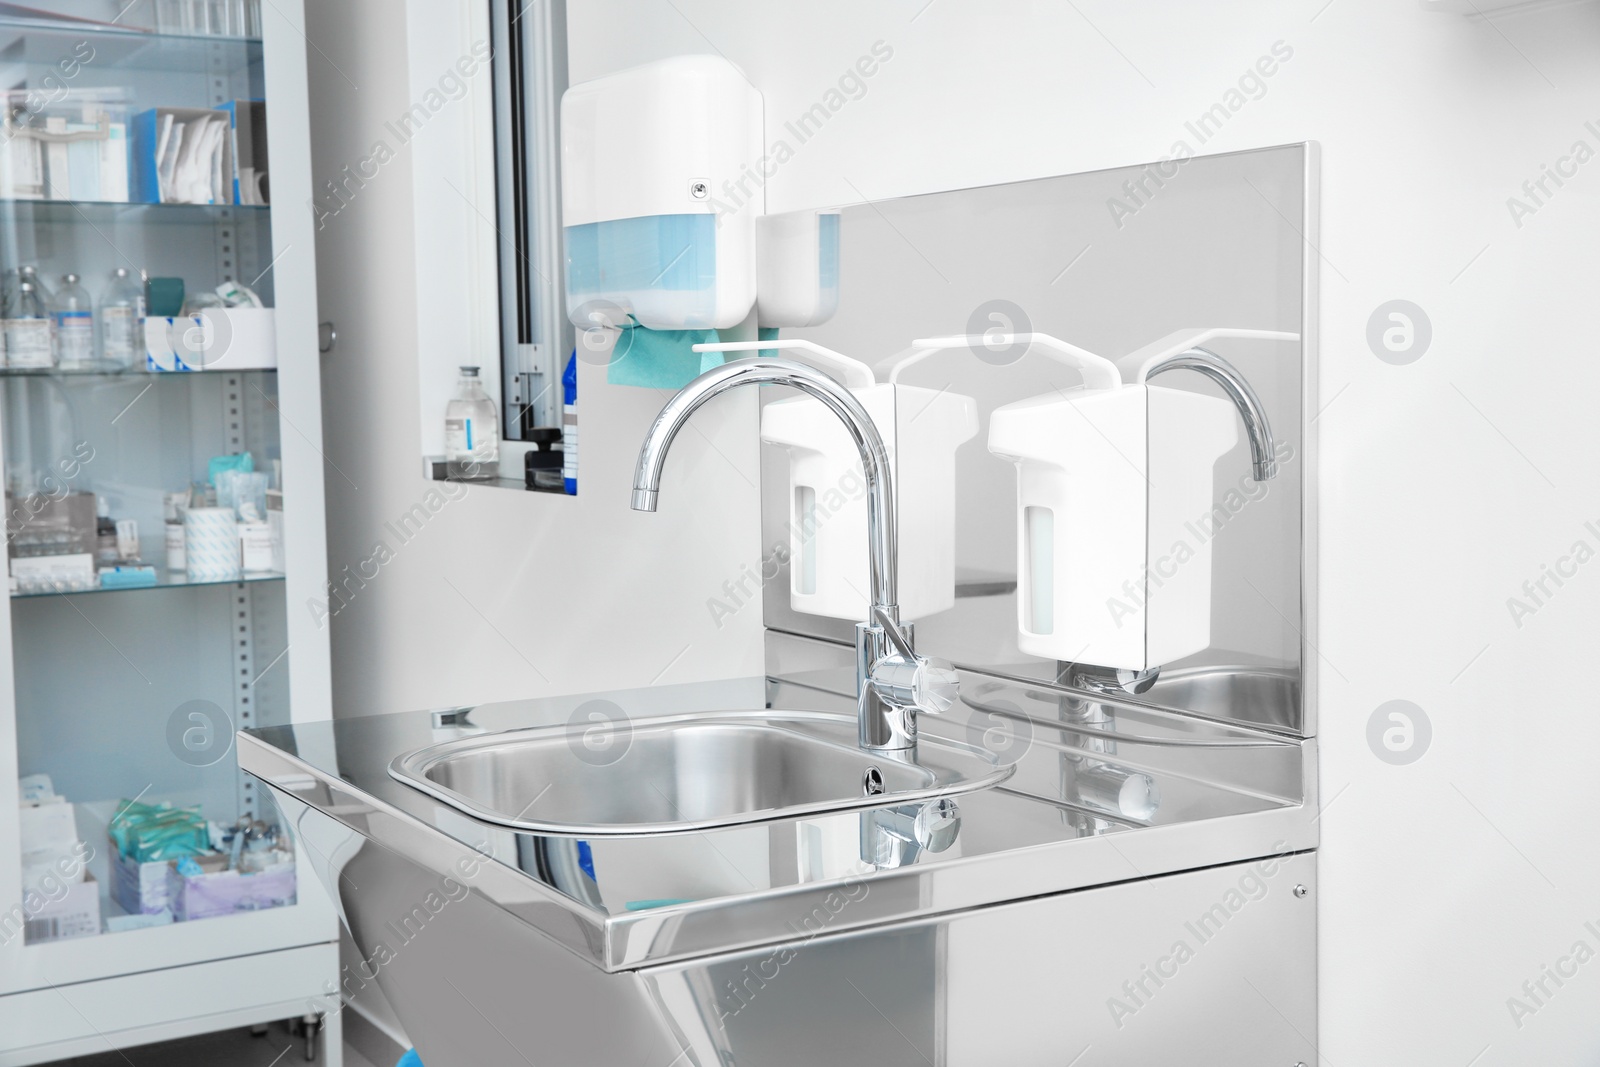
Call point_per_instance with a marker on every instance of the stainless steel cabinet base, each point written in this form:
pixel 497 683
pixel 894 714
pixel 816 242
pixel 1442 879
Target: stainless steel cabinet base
pixel 1215 966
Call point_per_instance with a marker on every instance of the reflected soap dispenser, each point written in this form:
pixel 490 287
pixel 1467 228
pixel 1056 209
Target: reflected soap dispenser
pixel 827 488
pixel 1108 475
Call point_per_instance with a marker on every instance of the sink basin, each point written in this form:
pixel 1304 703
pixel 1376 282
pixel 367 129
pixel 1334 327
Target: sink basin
pixel 684 773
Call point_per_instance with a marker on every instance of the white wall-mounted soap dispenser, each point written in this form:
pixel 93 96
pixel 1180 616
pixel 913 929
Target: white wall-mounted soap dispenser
pixel 658 200
pixel 797 268
pixel 827 489
pixel 1107 476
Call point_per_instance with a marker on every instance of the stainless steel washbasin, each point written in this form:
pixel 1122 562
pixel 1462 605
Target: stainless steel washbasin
pixel 684 773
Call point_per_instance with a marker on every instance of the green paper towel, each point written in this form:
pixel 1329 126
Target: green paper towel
pixel 767 333
pixel 660 359
pixel 666 359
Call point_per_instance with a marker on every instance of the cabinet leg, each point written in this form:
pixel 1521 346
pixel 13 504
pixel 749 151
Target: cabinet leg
pixel 312 1025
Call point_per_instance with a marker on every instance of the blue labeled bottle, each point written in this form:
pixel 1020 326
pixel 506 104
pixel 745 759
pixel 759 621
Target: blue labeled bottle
pixel 569 425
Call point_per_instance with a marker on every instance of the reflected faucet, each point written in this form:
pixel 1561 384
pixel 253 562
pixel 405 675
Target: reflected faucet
pixel 1263 458
pixel 892 682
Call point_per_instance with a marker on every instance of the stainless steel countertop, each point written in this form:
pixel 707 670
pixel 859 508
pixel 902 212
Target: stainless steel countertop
pixel 1227 794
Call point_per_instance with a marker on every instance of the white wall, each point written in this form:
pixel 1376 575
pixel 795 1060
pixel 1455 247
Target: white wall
pixel 501 594
pixel 1448 882
pixel 1446 483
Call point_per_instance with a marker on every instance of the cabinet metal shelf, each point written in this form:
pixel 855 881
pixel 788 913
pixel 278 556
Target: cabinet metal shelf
pixel 164 580
pixel 45 42
pixel 122 373
pixel 28 211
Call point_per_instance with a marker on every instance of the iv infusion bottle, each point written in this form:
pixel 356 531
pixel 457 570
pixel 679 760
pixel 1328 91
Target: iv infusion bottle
pixel 471 431
pixel 27 328
pixel 72 324
pixel 121 318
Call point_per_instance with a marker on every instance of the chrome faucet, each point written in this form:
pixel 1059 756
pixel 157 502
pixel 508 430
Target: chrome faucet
pixel 892 681
pixel 1263 457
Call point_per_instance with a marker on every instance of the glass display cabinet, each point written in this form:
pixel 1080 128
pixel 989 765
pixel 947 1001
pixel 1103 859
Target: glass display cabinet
pixel 159 442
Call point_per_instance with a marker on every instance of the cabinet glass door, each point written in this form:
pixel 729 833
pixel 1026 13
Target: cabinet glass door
pixel 143 488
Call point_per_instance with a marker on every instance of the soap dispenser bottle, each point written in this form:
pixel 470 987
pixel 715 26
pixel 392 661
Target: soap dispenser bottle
pixel 827 489
pixel 1106 573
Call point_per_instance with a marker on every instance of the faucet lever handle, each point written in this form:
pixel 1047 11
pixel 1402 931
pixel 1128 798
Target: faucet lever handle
pixel 909 678
pixel 939 686
pixel 929 685
pixel 891 630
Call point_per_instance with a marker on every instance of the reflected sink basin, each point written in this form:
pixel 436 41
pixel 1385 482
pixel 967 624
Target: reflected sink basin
pixel 1261 696
pixel 684 773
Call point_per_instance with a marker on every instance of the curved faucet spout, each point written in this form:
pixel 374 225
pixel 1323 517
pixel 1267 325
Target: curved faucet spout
pixel 892 682
pixel 1263 457
pixel 836 398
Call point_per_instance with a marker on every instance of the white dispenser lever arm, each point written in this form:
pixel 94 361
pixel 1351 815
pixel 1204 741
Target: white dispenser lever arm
pixel 856 374
pixel 1098 371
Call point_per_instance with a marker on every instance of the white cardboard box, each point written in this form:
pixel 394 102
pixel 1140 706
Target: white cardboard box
pixel 76 913
pixel 139 888
pixel 213 339
pixel 48 826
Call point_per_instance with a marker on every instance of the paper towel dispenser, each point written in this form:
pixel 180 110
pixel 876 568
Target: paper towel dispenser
pixel 659 205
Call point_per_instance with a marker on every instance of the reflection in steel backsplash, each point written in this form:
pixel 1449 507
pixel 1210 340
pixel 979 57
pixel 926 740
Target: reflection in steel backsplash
pixel 1207 266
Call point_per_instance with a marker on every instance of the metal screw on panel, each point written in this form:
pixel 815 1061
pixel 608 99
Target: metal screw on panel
pixel 1301 891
